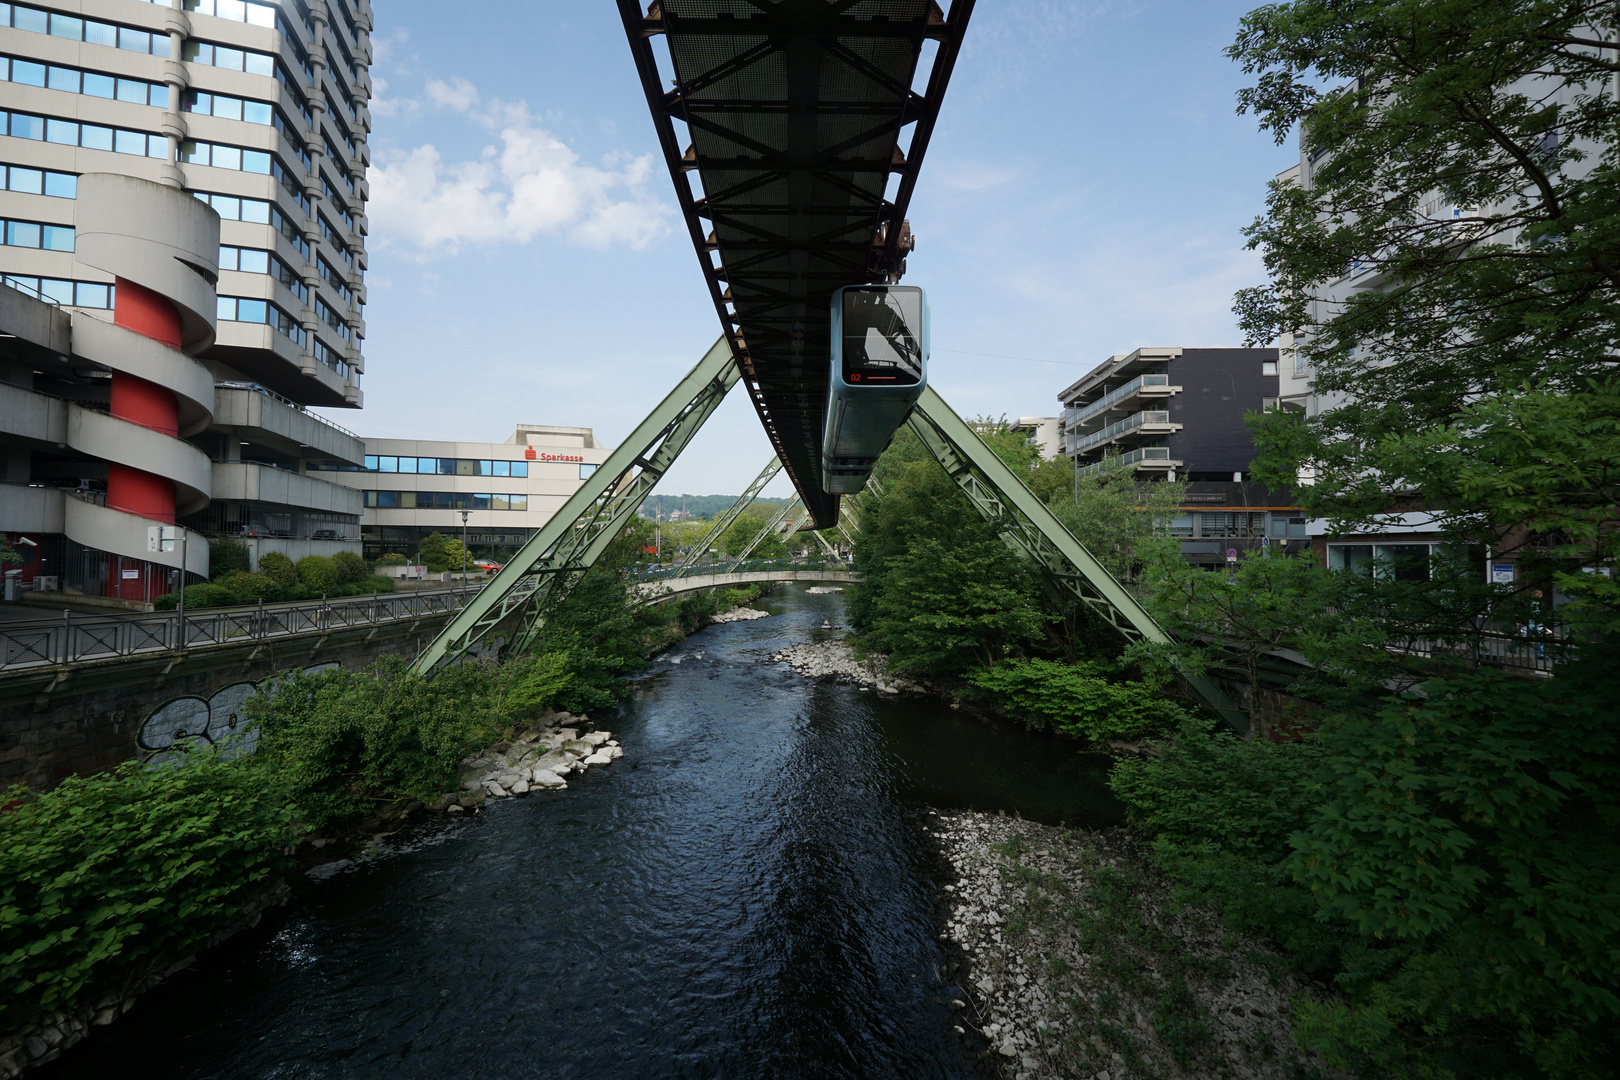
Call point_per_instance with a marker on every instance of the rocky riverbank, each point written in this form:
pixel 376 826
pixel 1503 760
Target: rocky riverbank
pixel 739 614
pixel 835 659
pixel 536 760
pixel 1081 966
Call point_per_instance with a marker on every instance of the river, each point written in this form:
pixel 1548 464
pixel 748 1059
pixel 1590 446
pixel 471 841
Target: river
pixel 747 893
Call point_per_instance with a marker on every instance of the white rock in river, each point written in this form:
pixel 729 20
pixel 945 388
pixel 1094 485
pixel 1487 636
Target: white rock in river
pixel 556 761
pixel 520 787
pixel 596 738
pixel 567 734
pixel 613 751
pixel 579 748
pixel 599 758
pixel 494 790
pixel 547 779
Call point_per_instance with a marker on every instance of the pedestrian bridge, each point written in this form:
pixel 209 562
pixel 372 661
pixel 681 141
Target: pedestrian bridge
pixel 658 589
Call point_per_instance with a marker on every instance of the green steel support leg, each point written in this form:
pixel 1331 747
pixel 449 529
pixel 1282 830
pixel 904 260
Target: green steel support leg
pixel 826 544
pixel 571 541
pixel 772 528
pixel 1028 527
pixel 723 522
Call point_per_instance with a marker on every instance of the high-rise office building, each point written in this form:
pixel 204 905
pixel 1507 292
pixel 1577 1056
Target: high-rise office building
pixel 183 190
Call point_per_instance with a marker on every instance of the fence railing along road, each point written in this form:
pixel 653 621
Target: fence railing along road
pixel 79 638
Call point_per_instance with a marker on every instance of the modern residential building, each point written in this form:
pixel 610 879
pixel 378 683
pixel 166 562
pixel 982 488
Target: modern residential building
pixel 1178 414
pixel 413 487
pixel 1045 431
pixel 183 192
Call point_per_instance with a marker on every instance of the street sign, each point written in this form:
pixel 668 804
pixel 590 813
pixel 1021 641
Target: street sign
pixel 1501 573
pixel 132 575
pixel 1231 553
pixel 161 537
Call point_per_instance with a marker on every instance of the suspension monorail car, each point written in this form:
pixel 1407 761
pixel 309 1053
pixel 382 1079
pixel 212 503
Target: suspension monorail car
pixel 879 369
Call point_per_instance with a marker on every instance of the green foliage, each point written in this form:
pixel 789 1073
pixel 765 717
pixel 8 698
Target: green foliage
pixel 537 682
pixel 227 556
pixel 278 568
pixel 1077 699
pixel 338 740
pixel 1123 523
pixel 1450 858
pixel 393 558
pixel 101 876
pixel 747 526
pixel 208 594
pixel 10 556
pixel 373 583
pixel 440 553
pixel 250 588
pixel 350 567
pixel 1500 416
pixel 318 572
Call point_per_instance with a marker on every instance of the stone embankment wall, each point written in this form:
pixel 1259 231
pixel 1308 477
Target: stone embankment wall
pixel 85 718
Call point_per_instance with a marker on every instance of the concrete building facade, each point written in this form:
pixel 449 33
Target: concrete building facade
pixel 1178 414
pixel 413 487
pixel 182 187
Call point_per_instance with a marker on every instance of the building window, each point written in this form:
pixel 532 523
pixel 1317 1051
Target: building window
pixel 1398 562
pixel 1287 528
pixel 34 234
pixel 250 310
pixel 39 182
pixel 89 136
pixel 445 500
pixel 446 466
pixel 586 470
pixel 1268 367
pixel 85 294
pixel 71 80
pixel 62 25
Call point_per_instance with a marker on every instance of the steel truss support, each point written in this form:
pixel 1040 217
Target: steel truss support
pixel 1028 527
pixel 576 535
pixel 783 525
pixel 723 522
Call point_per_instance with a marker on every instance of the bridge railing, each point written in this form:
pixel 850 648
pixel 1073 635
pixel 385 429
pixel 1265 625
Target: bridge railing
pixel 80 638
pixel 723 566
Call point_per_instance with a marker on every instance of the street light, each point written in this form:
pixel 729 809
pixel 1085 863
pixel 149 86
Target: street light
pixel 464 551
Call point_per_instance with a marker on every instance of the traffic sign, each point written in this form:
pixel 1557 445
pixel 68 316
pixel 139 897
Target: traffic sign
pixel 1231 553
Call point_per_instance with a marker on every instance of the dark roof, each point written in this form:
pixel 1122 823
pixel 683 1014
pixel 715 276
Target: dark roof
pixel 796 112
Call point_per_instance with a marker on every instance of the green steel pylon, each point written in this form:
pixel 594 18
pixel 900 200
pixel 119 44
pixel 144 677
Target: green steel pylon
pixel 781 525
pixel 1028 527
pixel 568 544
pixel 723 522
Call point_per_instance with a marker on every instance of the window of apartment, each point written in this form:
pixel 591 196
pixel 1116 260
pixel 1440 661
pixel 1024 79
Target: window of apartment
pixel 1268 367
pixel 446 466
pixel 236 11
pixel 36 234
pixel 1398 562
pixel 73 80
pixel 1287 528
pixel 62 25
pixel 60 185
pixel 257 212
pixel 255 261
pixel 445 500
pixel 87 294
pixel 585 471
pixel 334 279
pixel 1228 525
pixel 332 358
pixel 251 310
pixel 89 136
pixel 229 108
pixel 1181 525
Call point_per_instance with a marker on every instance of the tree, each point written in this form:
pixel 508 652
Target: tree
pixel 1468 157
pixel 737 537
pixel 440 553
pixel 350 567
pixel 227 556
pixel 318 572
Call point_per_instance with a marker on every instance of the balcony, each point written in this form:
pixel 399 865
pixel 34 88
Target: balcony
pixel 1142 423
pixel 1146 386
pixel 1144 458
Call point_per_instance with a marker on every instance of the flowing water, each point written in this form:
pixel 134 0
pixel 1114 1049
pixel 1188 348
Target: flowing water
pixel 747 893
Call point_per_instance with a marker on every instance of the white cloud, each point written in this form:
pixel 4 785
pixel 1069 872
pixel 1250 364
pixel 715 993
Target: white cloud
pixel 531 184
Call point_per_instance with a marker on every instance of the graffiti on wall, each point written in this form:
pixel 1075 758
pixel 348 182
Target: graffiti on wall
pixel 184 723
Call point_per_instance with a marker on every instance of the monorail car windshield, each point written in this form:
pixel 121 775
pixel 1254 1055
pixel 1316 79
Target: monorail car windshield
pixel 879 369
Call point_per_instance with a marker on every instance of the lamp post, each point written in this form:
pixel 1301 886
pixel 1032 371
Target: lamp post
pixel 464 552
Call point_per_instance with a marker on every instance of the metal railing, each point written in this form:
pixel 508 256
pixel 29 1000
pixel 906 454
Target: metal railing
pixel 1143 453
pixel 1120 427
pixel 80 638
pixel 723 566
pixel 291 404
pixel 1118 394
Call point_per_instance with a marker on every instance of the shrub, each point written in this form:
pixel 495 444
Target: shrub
pixel 227 556
pixel 374 583
pixel 208 594
pixel 393 558
pixel 338 739
pixel 317 572
pixel 350 567
pixel 251 588
pixel 1077 699
pixel 278 568
pixel 101 875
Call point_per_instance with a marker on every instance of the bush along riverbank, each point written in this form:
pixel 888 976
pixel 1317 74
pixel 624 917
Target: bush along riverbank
pixel 110 883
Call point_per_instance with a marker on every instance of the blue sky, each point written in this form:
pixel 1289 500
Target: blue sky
pixel 1082 196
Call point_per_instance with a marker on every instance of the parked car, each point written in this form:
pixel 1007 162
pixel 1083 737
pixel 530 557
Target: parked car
pixel 326 534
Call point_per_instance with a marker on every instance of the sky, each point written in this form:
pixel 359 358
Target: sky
pixel 1083 195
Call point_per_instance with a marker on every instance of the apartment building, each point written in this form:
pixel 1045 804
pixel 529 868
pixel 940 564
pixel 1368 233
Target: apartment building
pixel 1179 414
pixel 183 192
pixel 501 493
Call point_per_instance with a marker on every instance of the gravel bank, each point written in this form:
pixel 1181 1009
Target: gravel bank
pixel 835 659
pixel 1082 967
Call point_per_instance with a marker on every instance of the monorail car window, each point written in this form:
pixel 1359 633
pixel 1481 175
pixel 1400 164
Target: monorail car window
pixel 881 332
